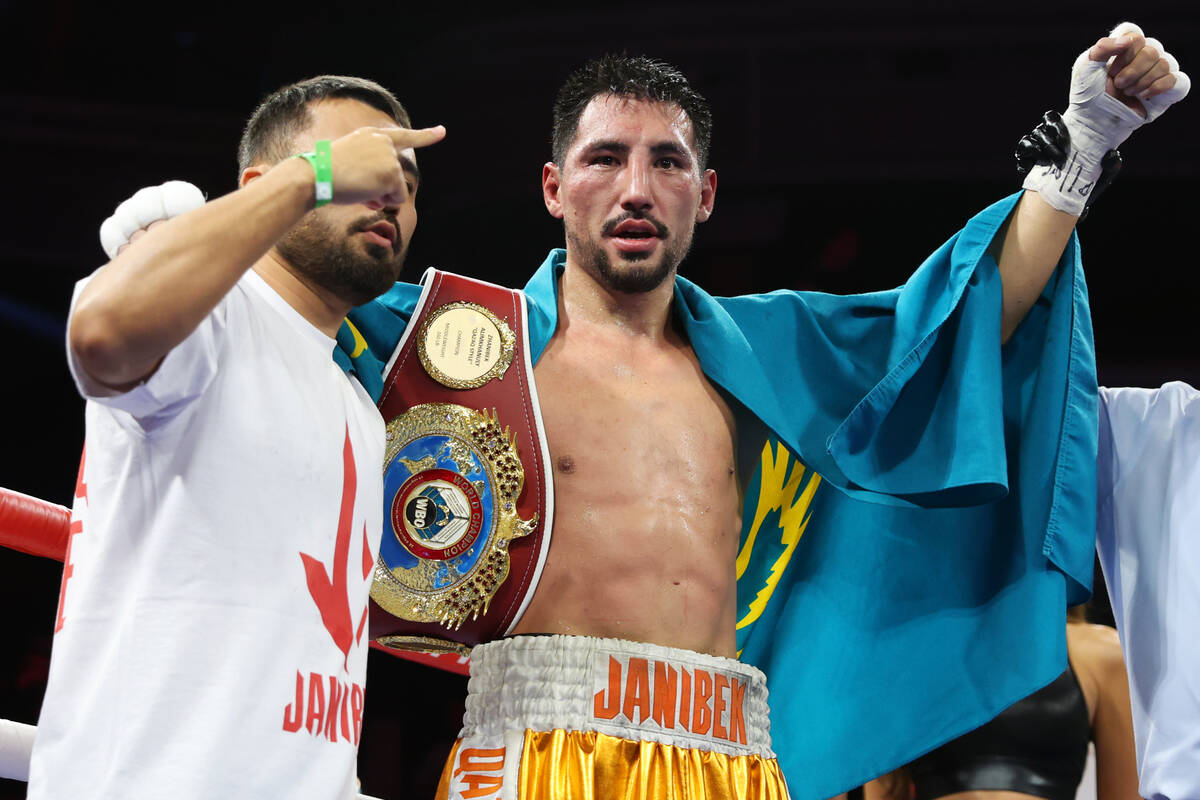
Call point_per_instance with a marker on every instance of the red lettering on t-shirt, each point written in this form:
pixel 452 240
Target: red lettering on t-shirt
pixel 75 529
pixel 368 562
pixel 362 624
pixel 332 706
pixel 329 587
pixel 331 713
pixel 356 709
pixel 292 720
pixel 316 704
pixel 343 716
pixel 368 559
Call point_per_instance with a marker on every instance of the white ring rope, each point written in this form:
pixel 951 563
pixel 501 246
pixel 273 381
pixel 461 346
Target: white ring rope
pixel 16 746
pixel 37 527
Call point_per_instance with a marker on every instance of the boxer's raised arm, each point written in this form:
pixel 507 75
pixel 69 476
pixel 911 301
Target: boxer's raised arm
pixel 1122 82
pixel 1030 245
pixel 155 292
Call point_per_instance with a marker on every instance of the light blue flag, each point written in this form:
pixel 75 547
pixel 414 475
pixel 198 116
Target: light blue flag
pixel 921 501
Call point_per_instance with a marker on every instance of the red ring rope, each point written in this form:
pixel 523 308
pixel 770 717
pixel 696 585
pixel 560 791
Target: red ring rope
pixel 40 528
pixel 33 526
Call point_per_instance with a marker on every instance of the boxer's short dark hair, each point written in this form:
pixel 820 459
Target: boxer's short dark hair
pixel 634 77
pixel 274 125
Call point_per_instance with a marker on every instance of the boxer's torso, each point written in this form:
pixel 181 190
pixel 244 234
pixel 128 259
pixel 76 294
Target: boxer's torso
pixel 647 508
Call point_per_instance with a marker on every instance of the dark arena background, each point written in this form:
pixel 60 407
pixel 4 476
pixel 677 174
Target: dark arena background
pixel 851 139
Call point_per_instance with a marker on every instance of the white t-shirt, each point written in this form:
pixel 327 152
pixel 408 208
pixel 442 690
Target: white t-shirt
pixel 211 640
pixel 1148 537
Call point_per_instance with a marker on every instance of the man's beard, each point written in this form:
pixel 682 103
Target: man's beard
pixel 332 259
pixel 639 279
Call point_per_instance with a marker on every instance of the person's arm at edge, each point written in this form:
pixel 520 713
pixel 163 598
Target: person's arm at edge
pixel 1112 724
pixel 1031 244
pixel 157 290
pixel 1035 235
pixel 153 294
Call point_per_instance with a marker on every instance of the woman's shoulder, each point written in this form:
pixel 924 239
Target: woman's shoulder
pixel 1095 652
pixel 1094 641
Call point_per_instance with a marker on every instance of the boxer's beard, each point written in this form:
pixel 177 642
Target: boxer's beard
pixel 317 249
pixel 647 275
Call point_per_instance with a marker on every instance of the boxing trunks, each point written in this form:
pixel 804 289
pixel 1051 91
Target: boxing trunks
pixel 572 717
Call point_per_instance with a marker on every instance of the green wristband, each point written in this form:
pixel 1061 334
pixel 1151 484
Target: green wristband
pixel 322 165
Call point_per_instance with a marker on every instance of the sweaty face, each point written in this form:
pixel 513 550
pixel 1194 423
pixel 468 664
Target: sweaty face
pixel 631 191
pixel 355 252
pixel 637 270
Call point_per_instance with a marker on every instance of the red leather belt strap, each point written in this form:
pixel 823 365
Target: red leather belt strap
pixel 511 400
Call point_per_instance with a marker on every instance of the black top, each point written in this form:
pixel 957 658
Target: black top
pixel 1036 746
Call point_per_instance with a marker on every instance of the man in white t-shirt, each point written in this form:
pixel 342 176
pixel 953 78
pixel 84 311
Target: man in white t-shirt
pixel 700 381
pixel 1148 537
pixel 210 639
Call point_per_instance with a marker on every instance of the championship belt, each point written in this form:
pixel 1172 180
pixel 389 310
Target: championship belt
pixel 468 500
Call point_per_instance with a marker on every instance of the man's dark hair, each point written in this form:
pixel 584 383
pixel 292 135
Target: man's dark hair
pixel 285 113
pixel 634 77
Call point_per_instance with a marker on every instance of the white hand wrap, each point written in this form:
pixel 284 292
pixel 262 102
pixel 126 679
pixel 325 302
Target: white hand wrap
pixel 1098 122
pixel 146 206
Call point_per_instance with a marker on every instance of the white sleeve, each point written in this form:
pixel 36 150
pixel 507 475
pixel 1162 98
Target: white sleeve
pixel 1149 448
pixel 183 375
pixel 1148 540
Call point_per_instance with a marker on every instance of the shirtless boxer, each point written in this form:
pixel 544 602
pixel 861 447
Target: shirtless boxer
pixel 1148 469
pixel 645 450
pixel 663 404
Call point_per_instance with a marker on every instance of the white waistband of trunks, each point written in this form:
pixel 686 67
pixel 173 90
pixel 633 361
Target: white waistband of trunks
pixel 632 690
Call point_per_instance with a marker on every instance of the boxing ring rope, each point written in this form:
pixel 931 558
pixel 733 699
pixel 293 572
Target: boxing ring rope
pixel 38 528
pixel 33 526
pixel 16 746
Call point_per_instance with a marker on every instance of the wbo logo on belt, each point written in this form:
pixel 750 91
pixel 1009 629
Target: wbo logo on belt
pixel 467 498
pixel 453 477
